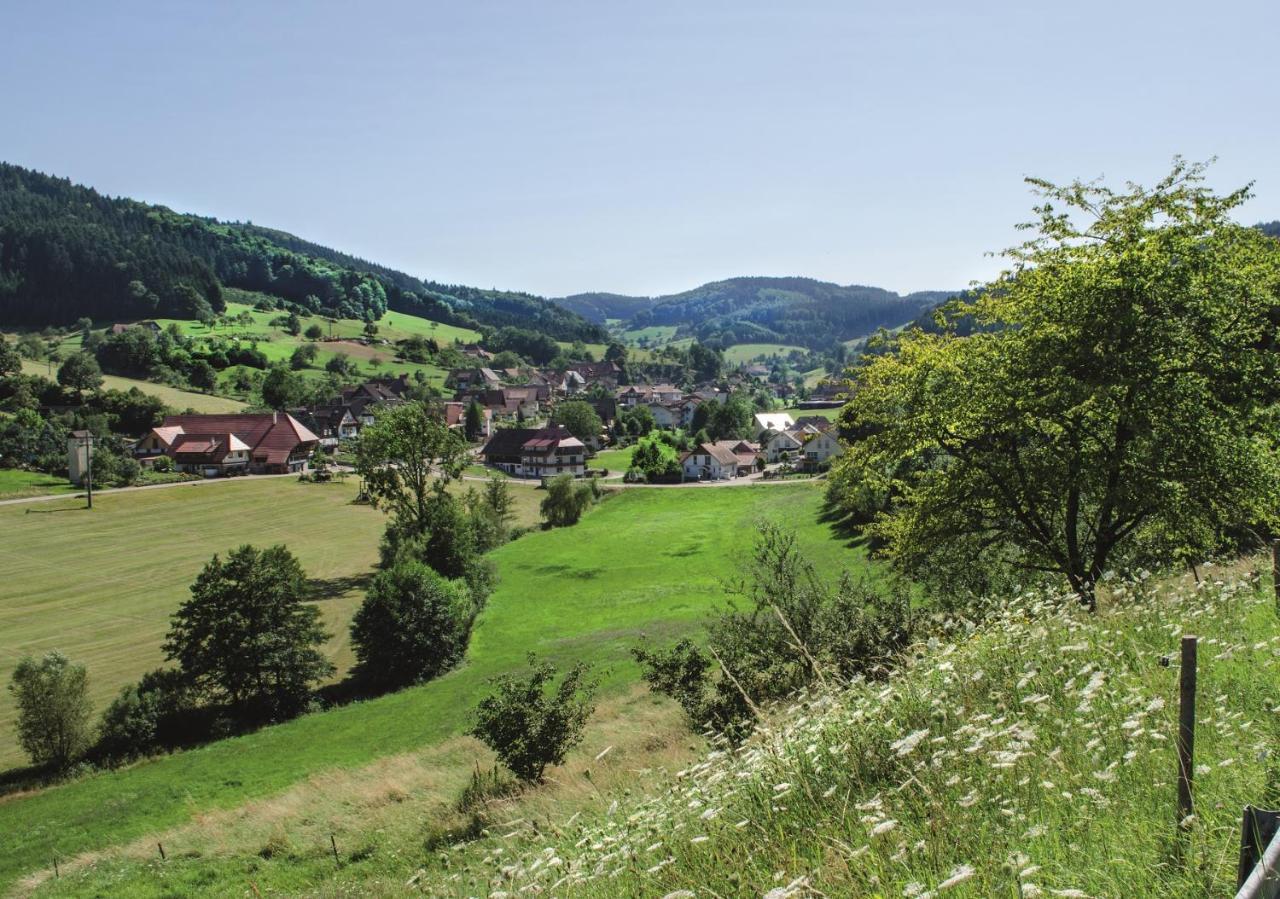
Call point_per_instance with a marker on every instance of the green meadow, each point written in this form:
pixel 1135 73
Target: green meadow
pixel 748 352
pixel 644 561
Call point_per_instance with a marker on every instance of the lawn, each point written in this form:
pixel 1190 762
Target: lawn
pixel 616 460
pixel 748 352
pixel 15 483
pixel 174 398
pixel 829 414
pixel 645 561
pixel 656 335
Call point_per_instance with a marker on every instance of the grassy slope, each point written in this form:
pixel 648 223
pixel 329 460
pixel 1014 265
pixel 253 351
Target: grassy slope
pixel 1033 758
pixel 829 414
pixel 171 396
pixel 644 561
pixel 746 352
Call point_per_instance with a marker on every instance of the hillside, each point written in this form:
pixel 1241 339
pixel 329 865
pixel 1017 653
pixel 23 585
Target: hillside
pixel 67 251
pixel 572 593
pixel 803 311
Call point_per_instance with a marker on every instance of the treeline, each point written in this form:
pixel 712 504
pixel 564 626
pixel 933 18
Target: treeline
pixel 67 251
pixel 800 311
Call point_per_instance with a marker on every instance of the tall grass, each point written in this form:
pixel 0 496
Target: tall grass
pixel 1031 755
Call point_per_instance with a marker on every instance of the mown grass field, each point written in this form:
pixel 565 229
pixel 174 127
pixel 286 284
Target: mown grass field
pixel 645 561
pixel 101 585
pixel 617 461
pixel 656 335
pixel 829 414
pixel 173 397
pixel 747 352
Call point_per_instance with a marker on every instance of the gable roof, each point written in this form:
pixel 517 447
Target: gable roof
pixel 507 441
pixel 774 421
pixel 272 436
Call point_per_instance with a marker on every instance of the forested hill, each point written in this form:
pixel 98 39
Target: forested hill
pixel 67 251
pixel 765 310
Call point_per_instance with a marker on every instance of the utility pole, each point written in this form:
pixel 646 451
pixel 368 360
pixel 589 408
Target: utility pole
pixel 88 476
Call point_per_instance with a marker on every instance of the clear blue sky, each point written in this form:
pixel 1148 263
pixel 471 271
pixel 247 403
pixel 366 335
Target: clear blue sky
pixel 646 147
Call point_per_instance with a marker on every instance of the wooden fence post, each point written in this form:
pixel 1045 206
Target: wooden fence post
pixel 334 844
pixel 162 855
pixel 1275 571
pixel 1186 729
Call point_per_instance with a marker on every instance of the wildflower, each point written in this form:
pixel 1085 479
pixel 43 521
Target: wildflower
pixel 883 827
pixel 959 875
pixel 907 744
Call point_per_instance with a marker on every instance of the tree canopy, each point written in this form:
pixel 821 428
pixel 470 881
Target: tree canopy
pixel 1117 400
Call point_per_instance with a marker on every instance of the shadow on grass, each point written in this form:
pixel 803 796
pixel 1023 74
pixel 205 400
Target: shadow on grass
pixel 847 527
pixel 335 587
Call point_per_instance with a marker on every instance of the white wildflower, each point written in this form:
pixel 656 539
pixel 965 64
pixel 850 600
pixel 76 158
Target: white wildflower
pixel 959 875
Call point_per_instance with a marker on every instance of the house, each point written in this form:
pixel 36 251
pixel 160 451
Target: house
pixel 821 422
pixel 461 379
pixel 543 453
pixel 502 451
pixel 747 454
pixel 648 394
pixel 667 416
pixel 331 423
pixel 773 421
pixel 821 448
pixel 783 445
pixel 475 351
pixel 215 445
pixel 709 462
pixel 603 373
pixel 551 452
pixel 455 416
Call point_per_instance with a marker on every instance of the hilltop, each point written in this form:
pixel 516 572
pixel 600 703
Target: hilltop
pixel 67 251
pixel 791 310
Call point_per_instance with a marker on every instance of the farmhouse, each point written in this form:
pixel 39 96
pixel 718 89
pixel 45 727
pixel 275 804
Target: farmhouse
pixel 529 453
pixel 783 445
pixel 821 448
pixel 217 445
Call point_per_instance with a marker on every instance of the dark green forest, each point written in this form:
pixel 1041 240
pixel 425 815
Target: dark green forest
pixel 67 251
pixel 804 311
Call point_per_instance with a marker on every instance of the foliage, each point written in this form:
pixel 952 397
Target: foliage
pixel 654 460
pixel 731 420
pixel 474 424
pixel 530 727
pixel 314 331
pixel 538 348
pixel 412 626
pixel 80 372
pixel 636 421
pixel 407 458
pixel 1118 402
pixel 303 356
pixel 282 388
pixel 53 709
pixel 247 637
pixel 67 251
pixel 579 417
pixel 795 631
pixel 565 501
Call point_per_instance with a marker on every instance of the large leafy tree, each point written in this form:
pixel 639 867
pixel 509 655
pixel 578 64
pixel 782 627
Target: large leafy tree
pixel 1117 398
pixel 247 637
pixel 580 418
pixel 407 458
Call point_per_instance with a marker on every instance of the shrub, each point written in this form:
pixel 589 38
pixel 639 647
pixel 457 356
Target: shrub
pixel 530 728
pixel 412 626
pixel 53 709
pixel 162 464
pixel 565 501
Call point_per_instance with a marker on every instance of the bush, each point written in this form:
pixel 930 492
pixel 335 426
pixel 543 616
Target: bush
pixel 412 626
pixel 53 709
pixel 530 728
pixel 162 464
pixel 565 501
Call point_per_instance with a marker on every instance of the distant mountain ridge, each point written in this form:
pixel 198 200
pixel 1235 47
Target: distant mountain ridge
pixel 793 310
pixel 67 251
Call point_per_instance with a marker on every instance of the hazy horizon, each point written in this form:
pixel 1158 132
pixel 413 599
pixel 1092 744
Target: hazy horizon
pixel 568 148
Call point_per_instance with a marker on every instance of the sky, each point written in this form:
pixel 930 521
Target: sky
pixel 641 148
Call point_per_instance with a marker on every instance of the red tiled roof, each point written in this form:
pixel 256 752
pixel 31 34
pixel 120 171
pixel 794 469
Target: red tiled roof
pixel 272 436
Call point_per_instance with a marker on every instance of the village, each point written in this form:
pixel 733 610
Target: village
pixel 510 417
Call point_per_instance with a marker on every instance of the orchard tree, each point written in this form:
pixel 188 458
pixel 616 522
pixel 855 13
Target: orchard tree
pixel 282 388
pixel 10 360
pixel 1117 399
pixel 247 637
